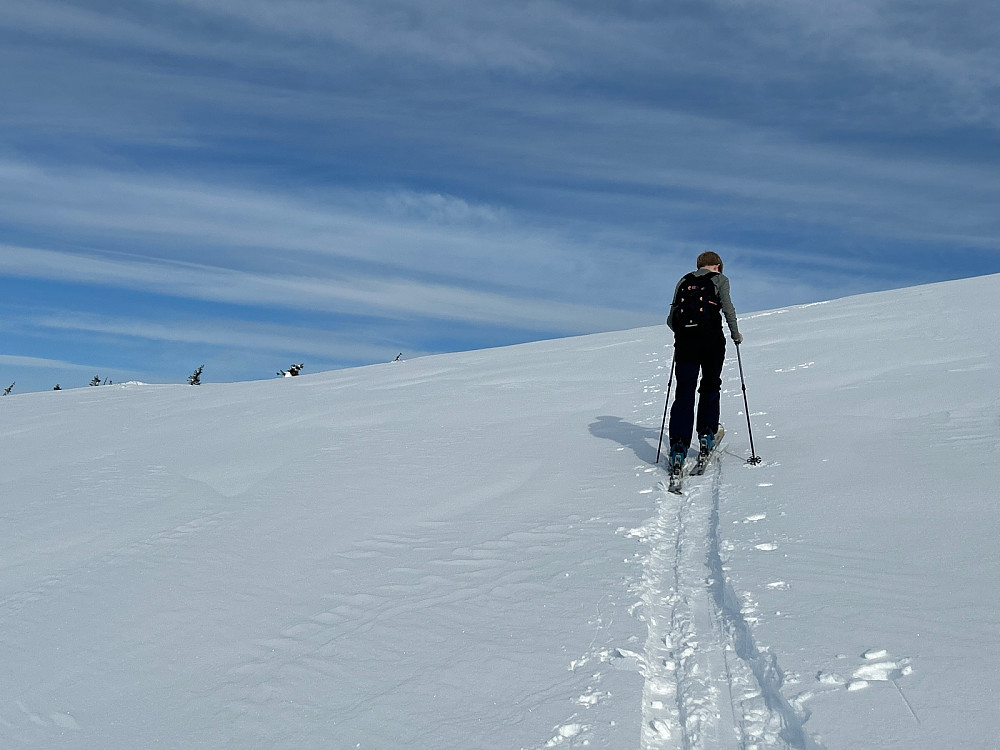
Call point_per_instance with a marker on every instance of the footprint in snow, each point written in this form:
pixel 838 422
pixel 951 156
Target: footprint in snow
pixel 64 721
pixel 830 678
pixel 592 697
pixel 878 669
pixel 661 728
pixel 563 733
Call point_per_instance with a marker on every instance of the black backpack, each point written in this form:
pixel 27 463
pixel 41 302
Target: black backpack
pixel 697 308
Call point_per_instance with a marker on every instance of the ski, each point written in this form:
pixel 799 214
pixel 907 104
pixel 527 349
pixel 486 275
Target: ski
pixel 704 458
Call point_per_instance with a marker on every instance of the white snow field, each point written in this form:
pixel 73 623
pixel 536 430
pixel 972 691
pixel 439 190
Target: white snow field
pixel 477 550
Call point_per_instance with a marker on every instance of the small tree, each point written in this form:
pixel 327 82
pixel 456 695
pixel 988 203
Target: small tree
pixel 291 372
pixel 8 389
pixel 96 380
pixel 57 388
pixel 195 378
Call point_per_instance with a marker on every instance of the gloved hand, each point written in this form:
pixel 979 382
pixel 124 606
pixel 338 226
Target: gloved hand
pixel 738 339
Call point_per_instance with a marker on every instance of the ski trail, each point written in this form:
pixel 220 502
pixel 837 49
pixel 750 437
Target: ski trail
pixel 776 722
pixel 707 684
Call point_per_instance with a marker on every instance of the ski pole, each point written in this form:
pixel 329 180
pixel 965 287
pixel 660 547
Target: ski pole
pixel 663 424
pixel 754 458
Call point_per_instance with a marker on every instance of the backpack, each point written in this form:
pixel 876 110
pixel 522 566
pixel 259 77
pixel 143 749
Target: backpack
pixel 697 308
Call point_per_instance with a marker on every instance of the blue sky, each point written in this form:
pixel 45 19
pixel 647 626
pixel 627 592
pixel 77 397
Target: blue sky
pixel 247 184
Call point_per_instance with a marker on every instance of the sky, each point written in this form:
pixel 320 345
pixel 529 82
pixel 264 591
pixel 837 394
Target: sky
pixel 246 185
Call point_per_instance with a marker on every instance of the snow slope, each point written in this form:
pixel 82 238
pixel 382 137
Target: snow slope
pixel 477 550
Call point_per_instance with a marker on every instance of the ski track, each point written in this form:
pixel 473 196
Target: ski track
pixel 707 682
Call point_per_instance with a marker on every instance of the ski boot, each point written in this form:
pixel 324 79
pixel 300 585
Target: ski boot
pixel 706 443
pixel 677 455
pixel 676 467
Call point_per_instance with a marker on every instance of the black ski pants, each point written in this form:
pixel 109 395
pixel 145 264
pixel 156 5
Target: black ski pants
pixel 690 358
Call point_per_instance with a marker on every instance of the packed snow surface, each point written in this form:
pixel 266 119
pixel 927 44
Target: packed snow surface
pixel 477 550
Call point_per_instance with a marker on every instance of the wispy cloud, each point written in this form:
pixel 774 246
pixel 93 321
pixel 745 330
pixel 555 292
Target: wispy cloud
pixel 295 341
pixel 17 363
pixel 343 293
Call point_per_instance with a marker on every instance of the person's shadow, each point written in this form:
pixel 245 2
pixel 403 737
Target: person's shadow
pixel 642 440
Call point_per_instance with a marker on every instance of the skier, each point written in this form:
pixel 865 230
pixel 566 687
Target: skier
pixel 700 300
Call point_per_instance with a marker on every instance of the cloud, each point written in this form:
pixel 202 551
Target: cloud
pixel 744 100
pixel 396 298
pixel 396 253
pixel 19 362
pixel 767 46
pixel 394 228
pixel 355 344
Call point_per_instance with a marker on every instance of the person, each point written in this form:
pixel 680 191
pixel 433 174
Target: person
pixel 699 346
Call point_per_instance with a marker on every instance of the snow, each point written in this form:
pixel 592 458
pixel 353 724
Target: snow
pixel 477 550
